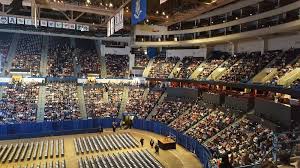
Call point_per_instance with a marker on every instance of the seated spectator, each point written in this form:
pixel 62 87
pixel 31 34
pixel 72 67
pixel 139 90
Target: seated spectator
pixel 162 67
pixel 246 142
pixel 188 66
pixel 211 125
pixel 60 58
pixel 19 103
pixel 141 60
pixel 28 54
pixel 61 102
pixel 117 66
pixel 170 109
pixel 248 66
pixel 186 121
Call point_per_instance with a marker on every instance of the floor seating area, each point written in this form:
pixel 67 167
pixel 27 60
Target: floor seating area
pixel 102 143
pixel 40 150
pixel 50 164
pixel 138 158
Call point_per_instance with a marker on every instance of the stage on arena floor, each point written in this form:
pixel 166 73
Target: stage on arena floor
pixel 167 143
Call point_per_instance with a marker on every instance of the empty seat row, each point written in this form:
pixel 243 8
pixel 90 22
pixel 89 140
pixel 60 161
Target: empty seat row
pixel 27 150
pixel 51 164
pixel 104 143
pixel 135 159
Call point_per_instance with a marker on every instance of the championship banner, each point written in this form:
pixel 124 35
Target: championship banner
pixel 12 20
pixel 44 23
pixel 108 29
pixel 66 25
pixel 58 24
pixel 20 20
pixel 3 20
pixel 119 20
pixel 139 11
pixel 51 24
pixel 28 22
pixel 112 26
pixel 72 26
pixel 79 27
pixel 85 28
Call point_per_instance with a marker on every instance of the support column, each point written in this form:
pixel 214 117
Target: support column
pixel 233 47
pixel 131 61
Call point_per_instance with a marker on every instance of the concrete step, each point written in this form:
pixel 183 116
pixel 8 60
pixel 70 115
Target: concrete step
pixel 41 104
pixel 11 53
pixel 124 101
pixel 81 101
pixel 175 70
pixel 148 68
pixel 44 56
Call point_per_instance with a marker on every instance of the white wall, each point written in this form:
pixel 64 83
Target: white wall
pixel 116 51
pixel 202 52
pixel 284 43
pixel 250 46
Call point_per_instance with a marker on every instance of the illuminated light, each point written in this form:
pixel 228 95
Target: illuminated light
pixel 236 18
pixel 224 21
pixel 167 17
pixel 175 38
pixel 106 8
pixel 111 5
pixel 250 14
pixel 127 10
pixel 101 3
pixel 212 22
pixel 106 4
pixel 163 13
pixel 147 20
pixel 159 39
pixel 157 12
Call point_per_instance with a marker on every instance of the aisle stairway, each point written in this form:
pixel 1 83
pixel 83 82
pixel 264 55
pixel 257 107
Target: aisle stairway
pixel 289 77
pixel 148 68
pixel 175 70
pixel 154 110
pixel 81 101
pixel 11 53
pixel 75 53
pixel 41 104
pixel 44 56
pixel 102 59
pixel 198 70
pixel 124 101
pixel 145 94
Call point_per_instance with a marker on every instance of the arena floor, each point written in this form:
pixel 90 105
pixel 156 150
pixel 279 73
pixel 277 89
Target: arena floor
pixel 179 158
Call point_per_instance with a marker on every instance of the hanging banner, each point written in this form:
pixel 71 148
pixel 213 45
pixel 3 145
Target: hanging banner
pixel 163 1
pixel 51 24
pixel 112 26
pixel 12 20
pixel 108 29
pixel 66 25
pixel 28 22
pixel 44 23
pixel 79 27
pixel 20 20
pixel 72 26
pixel 139 11
pixel 3 20
pixel 119 20
pixel 58 25
pixel 85 28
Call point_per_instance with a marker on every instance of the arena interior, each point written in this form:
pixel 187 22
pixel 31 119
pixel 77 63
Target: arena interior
pixel 149 83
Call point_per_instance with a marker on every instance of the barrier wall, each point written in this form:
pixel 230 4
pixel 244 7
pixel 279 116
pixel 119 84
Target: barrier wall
pixel 187 142
pixel 34 129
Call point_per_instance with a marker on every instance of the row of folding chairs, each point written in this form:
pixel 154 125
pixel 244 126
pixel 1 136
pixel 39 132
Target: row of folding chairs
pixel 104 143
pixel 136 159
pixel 51 164
pixel 31 150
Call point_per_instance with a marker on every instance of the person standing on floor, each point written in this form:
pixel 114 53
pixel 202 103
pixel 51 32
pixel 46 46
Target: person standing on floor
pixel 156 149
pixel 142 141
pixel 151 143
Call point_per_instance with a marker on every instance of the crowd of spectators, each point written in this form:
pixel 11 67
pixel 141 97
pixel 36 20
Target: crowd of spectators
pixel 88 58
pixel 60 57
pixel 28 54
pixel 162 67
pixel 246 143
pixel 117 66
pixel 211 125
pixel 170 109
pixel 283 64
pixel 61 102
pixel 209 66
pixel 19 103
pixel 5 42
pixel 188 66
pixel 141 60
pixel 186 121
pixel 248 66
pixel 135 100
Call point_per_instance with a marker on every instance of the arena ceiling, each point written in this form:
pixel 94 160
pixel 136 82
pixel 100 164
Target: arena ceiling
pixel 96 13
